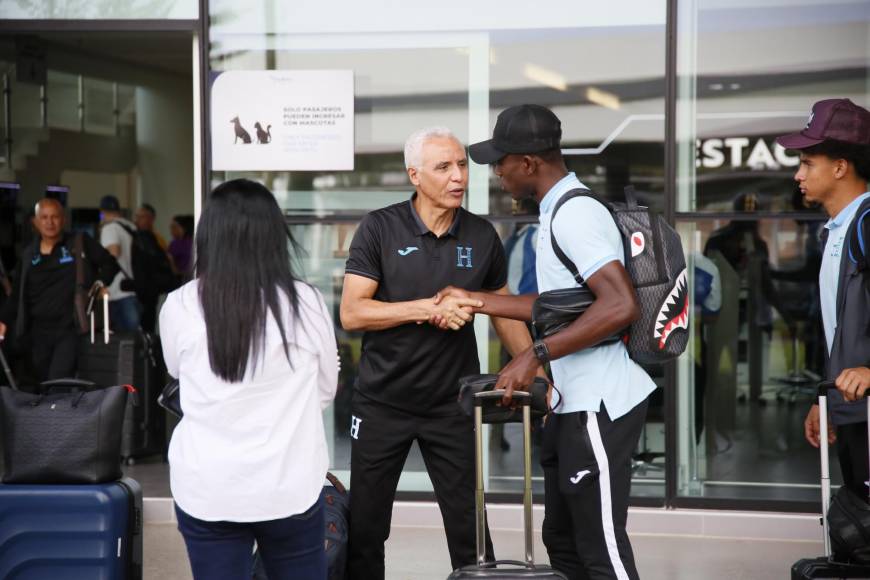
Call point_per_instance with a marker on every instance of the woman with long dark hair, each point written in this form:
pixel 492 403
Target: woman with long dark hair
pixel 254 350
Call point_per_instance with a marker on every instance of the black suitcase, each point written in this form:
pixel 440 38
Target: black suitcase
pixel 504 569
pixel 130 359
pixel 826 566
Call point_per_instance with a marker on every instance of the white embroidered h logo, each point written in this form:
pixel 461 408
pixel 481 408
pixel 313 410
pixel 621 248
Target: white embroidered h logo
pixel 354 426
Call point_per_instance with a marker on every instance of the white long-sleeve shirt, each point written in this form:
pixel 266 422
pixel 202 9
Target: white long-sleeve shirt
pixel 253 450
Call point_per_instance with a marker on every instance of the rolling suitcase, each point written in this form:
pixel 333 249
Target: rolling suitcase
pixel 129 359
pixel 827 566
pixel 504 569
pixel 73 532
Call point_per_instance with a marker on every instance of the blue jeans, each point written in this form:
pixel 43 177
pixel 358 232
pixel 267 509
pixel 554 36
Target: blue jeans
pixel 124 314
pixel 290 548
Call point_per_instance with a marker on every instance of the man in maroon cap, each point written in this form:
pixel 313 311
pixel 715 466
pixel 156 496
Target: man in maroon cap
pixel 834 170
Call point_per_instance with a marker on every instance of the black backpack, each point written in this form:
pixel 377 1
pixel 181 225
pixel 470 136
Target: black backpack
pixel 849 526
pixel 656 264
pixel 858 254
pixel 152 274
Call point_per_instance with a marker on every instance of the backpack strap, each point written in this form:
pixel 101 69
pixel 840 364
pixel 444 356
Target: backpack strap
pixel 859 240
pixel 126 228
pixel 569 195
pixel 79 253
pixel 132 233
pixel 630 198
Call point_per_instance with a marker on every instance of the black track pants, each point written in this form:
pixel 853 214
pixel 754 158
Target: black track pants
pixel 853 456
pixel 54 352
pixel 587 480
pixel 381 437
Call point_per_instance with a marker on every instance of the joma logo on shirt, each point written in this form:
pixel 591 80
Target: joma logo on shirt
pixel 408 250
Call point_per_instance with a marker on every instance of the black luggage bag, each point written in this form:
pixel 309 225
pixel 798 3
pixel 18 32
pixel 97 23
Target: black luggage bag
pixel 135 359
pixel 831 565
pixel 504 569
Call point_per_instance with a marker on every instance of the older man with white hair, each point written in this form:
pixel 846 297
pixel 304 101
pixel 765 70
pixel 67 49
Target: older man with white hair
pixel 400 257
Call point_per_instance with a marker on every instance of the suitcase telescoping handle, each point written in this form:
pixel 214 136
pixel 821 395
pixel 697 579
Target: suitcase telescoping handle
pixel 97 288
pixel 524 399
pixel 823 388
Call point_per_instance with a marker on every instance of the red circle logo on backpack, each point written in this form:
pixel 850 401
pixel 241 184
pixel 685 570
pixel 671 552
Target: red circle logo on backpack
pixel 638 244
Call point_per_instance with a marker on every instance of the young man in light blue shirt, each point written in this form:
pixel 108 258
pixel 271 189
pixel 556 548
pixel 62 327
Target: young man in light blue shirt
pixel 834 150
pixel 601 401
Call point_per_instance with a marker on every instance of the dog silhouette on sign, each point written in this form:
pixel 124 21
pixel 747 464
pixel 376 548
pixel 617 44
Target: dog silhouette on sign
pixel 263 136
pixel 240 131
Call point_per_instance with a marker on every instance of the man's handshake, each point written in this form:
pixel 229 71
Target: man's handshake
pixel 452 308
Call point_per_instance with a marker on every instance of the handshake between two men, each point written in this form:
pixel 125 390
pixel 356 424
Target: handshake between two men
pixel 452 308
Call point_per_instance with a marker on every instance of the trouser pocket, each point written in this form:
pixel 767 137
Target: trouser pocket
pixel 578 468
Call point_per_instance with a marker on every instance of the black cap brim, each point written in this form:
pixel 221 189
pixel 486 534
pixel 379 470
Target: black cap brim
pixel 797 141
pixel 485 153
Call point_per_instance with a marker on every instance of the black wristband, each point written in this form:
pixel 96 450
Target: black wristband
pixel 542 353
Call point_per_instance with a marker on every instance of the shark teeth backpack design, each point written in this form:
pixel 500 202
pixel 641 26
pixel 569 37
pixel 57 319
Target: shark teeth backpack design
pixel 656 264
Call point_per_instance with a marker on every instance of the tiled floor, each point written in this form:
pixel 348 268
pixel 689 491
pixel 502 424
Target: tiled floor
pixel 421 554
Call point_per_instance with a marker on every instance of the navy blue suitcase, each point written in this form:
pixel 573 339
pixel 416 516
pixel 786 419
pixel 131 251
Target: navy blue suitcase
pixel 74 532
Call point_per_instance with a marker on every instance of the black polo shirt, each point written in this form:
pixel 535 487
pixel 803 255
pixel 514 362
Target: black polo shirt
pixel 416 367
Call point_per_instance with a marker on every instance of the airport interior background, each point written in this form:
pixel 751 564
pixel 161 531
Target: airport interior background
pixel 690 123
pixel 88 115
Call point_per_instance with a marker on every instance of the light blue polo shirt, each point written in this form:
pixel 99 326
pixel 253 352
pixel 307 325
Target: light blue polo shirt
pixel 588 235
pixel 829 274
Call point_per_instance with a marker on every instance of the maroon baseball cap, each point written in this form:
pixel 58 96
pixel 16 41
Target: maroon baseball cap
pixel 831 119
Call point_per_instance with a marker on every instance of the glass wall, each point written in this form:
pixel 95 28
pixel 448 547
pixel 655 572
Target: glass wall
pixel 106 10
pixel 749 71
pixel 601 69
pixel 64 101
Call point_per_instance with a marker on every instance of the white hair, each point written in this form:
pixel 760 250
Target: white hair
pixel 414 144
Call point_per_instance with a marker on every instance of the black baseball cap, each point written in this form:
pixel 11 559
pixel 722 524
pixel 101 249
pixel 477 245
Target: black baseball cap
pixel 831 119
pixel 521 129
pixel 110 203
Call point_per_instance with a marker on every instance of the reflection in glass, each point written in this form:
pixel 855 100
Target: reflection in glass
pixel 749 376
pixel 99 102
pixel 63 100
pixel 461 75
pixel 25 103
pixel 89 10
pixel 322 255
pixel 750 72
